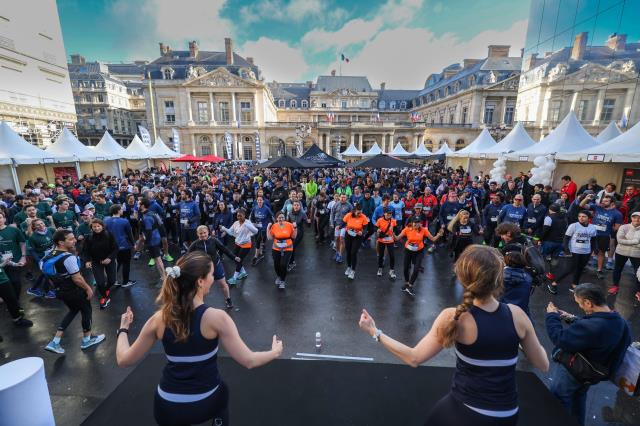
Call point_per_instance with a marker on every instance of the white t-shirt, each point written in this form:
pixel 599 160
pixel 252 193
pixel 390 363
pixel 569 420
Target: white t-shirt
pixel 580 242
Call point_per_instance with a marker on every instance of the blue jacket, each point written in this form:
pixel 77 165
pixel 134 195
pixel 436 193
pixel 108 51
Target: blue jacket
pixel 491 211
pixel 448 211
pixel 150 229
pixel 120 228
pixel 517 288
pixel 190 212
pixel 510 213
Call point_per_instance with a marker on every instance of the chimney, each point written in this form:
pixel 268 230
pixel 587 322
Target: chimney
pixel 522 52
pixel 530 61
pixel 333 73
pixel 193 49
pixel 383 85
pixel 467 63
pixel 498 51
pixel 310 84
pixel 228 50
pixel 77 59
pixel 579 46
pixel 617 42
pixel 250 60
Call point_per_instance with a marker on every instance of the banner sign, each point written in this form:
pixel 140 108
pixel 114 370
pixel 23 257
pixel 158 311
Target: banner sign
pixel 258 151
pixel 631 177
pixel 62 172
pixel 228 143
pixel 176 140
pixel 595 157
pixel 146 137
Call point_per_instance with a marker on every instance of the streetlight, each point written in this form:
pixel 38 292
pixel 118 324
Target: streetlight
pixel 302 131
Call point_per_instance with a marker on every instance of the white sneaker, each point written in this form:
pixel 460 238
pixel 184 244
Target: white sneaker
pixel 379 272
pixel 347 272
pixel 352 274
pixel 392 274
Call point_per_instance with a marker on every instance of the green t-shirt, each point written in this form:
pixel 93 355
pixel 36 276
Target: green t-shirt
pixel 102 210
pixel 10 239
pixel 44 208
pixel 64 220
pixel 84 229
pixel 41 242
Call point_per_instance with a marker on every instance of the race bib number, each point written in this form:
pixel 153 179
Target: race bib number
pixel 532 220
pixel 259 225
pixel 352 232
pixel 210 215
pixel 601 228
pixel 249 200
pixel 413 247
pixel 387 239
pixel 184 221
pixel 450 216
pixel 426 209
pixel 281 243
pixel 323 211
pixel 494 219
pixel 582 244
pixel 465 231
pixel 409 212
pixel 167 215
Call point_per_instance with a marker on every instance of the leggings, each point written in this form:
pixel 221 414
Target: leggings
pixel 352 245
pixel 321 227
pixel 459 245
pixel 280 261
pixel 392 255
pixel 576 264
pixel 412 258
pixel 215 407
pixel 241 253
pixel 105 276
pixel 450 411
pixel 259 239
pixel 7 293
pixel 124 263
pixel 619 264
pixel 76 301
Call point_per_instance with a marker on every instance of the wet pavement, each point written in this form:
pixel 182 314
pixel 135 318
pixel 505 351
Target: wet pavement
pixel 318 298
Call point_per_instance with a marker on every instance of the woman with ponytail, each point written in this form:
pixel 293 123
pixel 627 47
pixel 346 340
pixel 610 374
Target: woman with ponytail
pixel 486 335
pixel 191 390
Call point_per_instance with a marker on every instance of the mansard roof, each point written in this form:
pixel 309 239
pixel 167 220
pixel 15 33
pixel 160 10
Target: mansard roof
pixel 180 60
pixel 330 83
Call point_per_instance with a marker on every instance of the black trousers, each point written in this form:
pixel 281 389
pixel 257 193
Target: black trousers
pixel 215 408
pixel 412 258
pixel 574 264
pixel 76 301
pixel 15 277
pixel 105 276
pixel 321 227
pixel 280 261
pixel 124 263
pixel 619 265
pixel 8 294
pixel 391 250
pixel 296 243
pixel 352 245
pixel 241 253
pixel 459 245
pixel 449 411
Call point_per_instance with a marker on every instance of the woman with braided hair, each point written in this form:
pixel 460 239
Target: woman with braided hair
pixel 486 335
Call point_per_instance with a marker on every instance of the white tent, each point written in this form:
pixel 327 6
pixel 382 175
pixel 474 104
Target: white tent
pixel 517 139
pixel 137 149
pixel 14 147
pixel 161 150
pixel 609 132
pixel 479 146
pixel 351 151
pixel 622 149
pixel 444 149
pixel 109 148
pixel 568 137
pixel 67 144
pixel 374 150
pixel 399 151
pixel 422 151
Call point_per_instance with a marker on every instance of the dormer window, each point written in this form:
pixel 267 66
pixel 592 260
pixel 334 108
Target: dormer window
pixel 392 105
pixel 167 73
pixel 293 103
pixel 403 105
pixel 382 104
pixel 281 103
pixel 304 104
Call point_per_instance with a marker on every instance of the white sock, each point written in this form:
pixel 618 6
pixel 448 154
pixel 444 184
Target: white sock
pixel 235 275
pixel 243 271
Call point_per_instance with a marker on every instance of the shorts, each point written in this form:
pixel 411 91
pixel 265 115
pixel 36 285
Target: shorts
pixel 154 251
pixel 340 232
pixel 218 271
pixel 602 243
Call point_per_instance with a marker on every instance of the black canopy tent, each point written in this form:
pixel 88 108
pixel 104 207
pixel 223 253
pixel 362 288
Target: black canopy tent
pixel 288 162
pixel 320 158
pixel 382 161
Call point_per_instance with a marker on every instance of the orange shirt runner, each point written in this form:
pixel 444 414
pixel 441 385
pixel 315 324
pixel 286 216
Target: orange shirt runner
pixel 355 224
pixel 385 228
pixel 415 239
pixel 282 236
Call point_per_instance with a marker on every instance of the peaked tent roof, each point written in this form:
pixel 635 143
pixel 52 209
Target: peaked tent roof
pixel 374 150
pixel 517 139
pixel 422 151
pixel 382 161
pixel 161 150
pixel 568 137
pixel 110 148
pixel 351 151
pixel 479 146
pixel 399 151
pixel 13 146
pixel 444 149
pixel 622 149
pixel 137 150
pixel 318 156
pixel 609 132
pixel 67 144
pixel 288 162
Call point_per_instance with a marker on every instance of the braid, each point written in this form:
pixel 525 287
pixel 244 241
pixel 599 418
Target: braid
pixel 467 303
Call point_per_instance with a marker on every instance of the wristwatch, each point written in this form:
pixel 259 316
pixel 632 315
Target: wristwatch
pixel 376 335
pixel 122 330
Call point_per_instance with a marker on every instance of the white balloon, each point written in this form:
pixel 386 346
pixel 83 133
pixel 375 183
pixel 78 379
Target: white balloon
pixel 539 161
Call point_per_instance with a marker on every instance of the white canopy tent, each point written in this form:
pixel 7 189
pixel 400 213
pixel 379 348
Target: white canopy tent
pixel 161 150
pixel 422 151
pixel 399 151
pixel 351 151
pixel 374 150
pixel 93 161
pixel 609 132
pixel 444 149
pixel 479 146
pixel 517 139
pixel 137 150
pixel 622 149
pixel 112 150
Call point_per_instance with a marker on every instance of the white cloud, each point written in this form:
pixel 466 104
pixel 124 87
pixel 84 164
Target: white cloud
pixel 400 11
pixel 277 60
pixel 354 31
pixel 279 10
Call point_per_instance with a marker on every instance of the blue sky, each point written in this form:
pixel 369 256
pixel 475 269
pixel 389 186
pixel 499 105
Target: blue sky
pixel 399 42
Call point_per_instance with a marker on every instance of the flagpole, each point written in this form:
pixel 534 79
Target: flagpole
pixel 153 115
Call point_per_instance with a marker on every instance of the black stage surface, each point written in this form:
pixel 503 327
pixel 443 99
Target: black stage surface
pixel 308 392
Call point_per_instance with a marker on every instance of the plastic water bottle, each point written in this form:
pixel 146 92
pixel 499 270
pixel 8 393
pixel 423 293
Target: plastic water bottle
pixel 318 340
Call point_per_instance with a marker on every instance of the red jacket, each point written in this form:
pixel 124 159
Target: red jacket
pixel 408 206
pixel 429 204
pixel 570 189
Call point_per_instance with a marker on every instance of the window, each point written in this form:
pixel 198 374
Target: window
pixel 392 105
pixel 169 112
pixel 607 109
pixel 465 111
pixel 224 112
pixel 170 118
pixel 167 74
pixel 304 104
pixel 100 98
pixel 205 150
pixel 343 104
pixel 508 115
pixel 247 153
pixel 168 107
pixel 451 115
pixel 87 98
pixel 488 114
pixel 324 105
pixel 554 111
pixel 203 112
pixel 403 105
pixel 382 104
pixel 583 108
pixel 281 103
pixel 293 103
pixel 441 118
pixel 245 112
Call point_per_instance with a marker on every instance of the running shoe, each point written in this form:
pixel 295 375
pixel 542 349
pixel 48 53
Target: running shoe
pixel 92 341
pixel 22 322
pixel 593 262
pixel 129 284
pixel 228 304
pixel 600 275
pixel 553 289
pixel 392 274
pixel 137 255
pixel 291 266
pixel 352 275
pixel 347 271
pixel 339 259
pixel 572 289
pixel 613 290
pixel 282 285
pixel 277 281
pixel 104 302
pixel 51 294
pixel 408 289
pixel 242 276
pixel 54 347
pixel 35 292
pixel 232 281
pixel 167 257
pixel 609 266
pixel 152 262
pixel 117 284
pixel 254 261
pixel 379 273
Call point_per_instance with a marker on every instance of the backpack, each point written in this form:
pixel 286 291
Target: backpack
pixel 534 261
pixel 48 263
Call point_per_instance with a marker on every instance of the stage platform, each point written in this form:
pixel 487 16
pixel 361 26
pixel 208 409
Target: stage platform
pixel 316 392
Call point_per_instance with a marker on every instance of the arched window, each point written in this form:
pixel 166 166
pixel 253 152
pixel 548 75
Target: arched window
pixel 373 103
pixel 392 105
pixel 281 103
pixel 382 104
pixel 472 80
pixel 304 104
pixel 167 73
pixel 293 103
pixel 403 105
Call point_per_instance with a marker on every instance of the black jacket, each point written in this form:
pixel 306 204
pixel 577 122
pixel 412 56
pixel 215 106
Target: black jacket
pixel 97 247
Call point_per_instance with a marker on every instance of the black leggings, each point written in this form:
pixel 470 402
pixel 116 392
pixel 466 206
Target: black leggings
pixel 412 258
pixel 259 239
pixel 321 226
pixel 280 261
pixel 459 245
pixel 76 301
pixel 124 263
pixel 241 253
pixel 392 255
pixel 8 294
pixel 619 265
pixel 214 407
pixel 449 411
pixel 105 276
pixel 576 264
pixel 352 245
